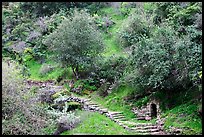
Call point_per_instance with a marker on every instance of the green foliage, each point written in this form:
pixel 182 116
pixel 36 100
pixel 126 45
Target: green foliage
pixel 125 8
pixel 21 112
pixel 165 39
pixel 149 7
pixel 111 44
pixel 184 15
pixel 111 69
pixel 133 28
pixel 142 102
pixel 95 7
pixel 165 61
pixel 34 70
pixel 76 42
pixel 169 100
pixel 87 85
pixel 177 13
pixel 41 9
pixel 45 68
pixel 103 23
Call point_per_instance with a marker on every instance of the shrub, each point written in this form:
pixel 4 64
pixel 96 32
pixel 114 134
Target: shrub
pixel 41 9
pixel 21 113
pixel 10 82
pixel 142 102
pixel 166 61
pixel 66 122
pixel 177 13
pixel 125 8
pixel 134 27
pixel 103 22
pixel 111 69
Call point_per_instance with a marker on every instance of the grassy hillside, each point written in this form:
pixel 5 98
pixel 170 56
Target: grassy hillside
pixel 165 64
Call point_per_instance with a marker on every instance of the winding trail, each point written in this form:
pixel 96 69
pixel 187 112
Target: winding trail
pixel 89 105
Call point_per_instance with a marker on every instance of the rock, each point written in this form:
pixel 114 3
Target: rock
pixel 148 118
pixel 43 85
pixel 141 118
pixel 176 131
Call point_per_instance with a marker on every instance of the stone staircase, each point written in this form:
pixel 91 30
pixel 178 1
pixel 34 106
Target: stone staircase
pixel 118 117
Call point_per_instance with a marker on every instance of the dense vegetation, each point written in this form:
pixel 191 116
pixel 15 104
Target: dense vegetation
pixel 120 54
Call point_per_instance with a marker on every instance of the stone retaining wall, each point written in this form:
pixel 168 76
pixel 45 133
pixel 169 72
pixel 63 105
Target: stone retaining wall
pixel 145 112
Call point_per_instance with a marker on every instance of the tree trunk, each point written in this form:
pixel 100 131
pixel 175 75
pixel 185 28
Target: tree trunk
pixel 75 71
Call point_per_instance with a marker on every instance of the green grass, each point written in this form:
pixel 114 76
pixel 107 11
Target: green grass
pixel 184 116
pixel 97 124
pixel 34 68
pixel 112 47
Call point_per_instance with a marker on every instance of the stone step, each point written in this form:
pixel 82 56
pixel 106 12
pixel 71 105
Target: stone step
pixel 146 130
pixel 144 127
pixel 142 114
pixel 133 124
pixel 115 113
pixel 51 86
pixel 129 124
pixel 89 107
pixel 103 109
pixel 157 133
pixel 119 116
pixel 143 124
pixel 87 100
pixel 151 133
pixel 94 105
pixel 119 120
pixel 95 108
pixel 89 103
pixel 140 118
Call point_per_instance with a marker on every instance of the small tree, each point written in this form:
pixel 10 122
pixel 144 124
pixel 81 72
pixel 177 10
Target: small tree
pixel 76 42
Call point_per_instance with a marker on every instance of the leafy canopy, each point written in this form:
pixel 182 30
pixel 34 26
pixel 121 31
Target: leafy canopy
pixel 76 42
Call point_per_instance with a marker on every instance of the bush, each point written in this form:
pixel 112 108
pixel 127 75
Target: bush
pixel 177 13
pixel 142 102
pixel 134 27
pixel 41 9
pixel 103 22
pixel 111 69
pixel 21 113
pixel 166 61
